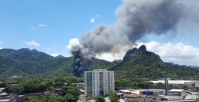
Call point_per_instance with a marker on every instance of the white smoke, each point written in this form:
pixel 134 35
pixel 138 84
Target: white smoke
pixel 73 42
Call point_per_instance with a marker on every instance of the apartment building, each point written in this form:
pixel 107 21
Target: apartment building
pixel 98 82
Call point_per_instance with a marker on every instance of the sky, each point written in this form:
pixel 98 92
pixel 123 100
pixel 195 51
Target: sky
pixel 48 25
pixel 52 26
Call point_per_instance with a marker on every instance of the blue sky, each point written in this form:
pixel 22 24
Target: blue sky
pixel 48 26
pixel 60 21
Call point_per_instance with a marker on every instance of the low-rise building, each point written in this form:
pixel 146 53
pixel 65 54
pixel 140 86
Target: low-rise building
pixel 140 91
pixel 178 83
pixel 1 90
pixel 5 100
pixel 153 94
pixel 176 93
pixel 47 93
pixel 21 98
pixel 57 90
pixel 125 91
pixel 3 95
pixel 196 88
pixel 14 77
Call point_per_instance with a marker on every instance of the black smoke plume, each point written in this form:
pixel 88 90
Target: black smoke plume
pixel 82 57
pixel 135 19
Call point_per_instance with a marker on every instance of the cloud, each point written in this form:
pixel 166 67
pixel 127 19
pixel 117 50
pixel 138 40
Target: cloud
pixel 92 20
pixel 178 53
pixel 32 43
pixel 177 50
pixel 51 48
pixel 42 25
pixel 32 27
pixel 73 42
pixel 54 55
pixel 1 48
pixel 98 15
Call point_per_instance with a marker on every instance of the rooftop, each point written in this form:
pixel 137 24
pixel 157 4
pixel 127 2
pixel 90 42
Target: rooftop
pixel 99 69
pixel 3 94
pixel 177 90
pixel 82 90
pixel 5 100
pixel 137 91
pixel 2 89
pixel 174 81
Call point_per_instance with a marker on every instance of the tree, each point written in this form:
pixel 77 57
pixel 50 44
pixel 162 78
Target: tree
pixel 70 98
pixel 159 86
pixel 51 88
pixel 14 89
pixel 100 99
pixel 113 97
pixel 74 91
pixel 52 98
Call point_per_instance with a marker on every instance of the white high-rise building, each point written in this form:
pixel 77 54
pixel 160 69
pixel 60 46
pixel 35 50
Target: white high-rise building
pixel 98 82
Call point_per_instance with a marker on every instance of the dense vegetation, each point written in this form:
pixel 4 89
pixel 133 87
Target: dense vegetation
pixel 113 97
pixel 52 98
pixel 28 62
pixel 33 85
pixel 139 64
pixel 68 94
pixel 26 86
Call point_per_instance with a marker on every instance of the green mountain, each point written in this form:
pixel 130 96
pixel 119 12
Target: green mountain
pixel 137 63
pixel 26 62
pixel 32 62
pixel 140 63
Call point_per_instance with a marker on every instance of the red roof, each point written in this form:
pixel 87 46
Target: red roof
pixel 134 95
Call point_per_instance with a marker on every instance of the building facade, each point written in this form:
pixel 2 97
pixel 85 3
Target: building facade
pixel 98 82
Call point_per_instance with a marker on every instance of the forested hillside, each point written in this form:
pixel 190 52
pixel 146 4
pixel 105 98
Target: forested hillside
pixel 32 62
pixel 137 63
pixel 145 64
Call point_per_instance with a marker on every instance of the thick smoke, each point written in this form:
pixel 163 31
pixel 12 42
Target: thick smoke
pixel 82 57
pixel 135 19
